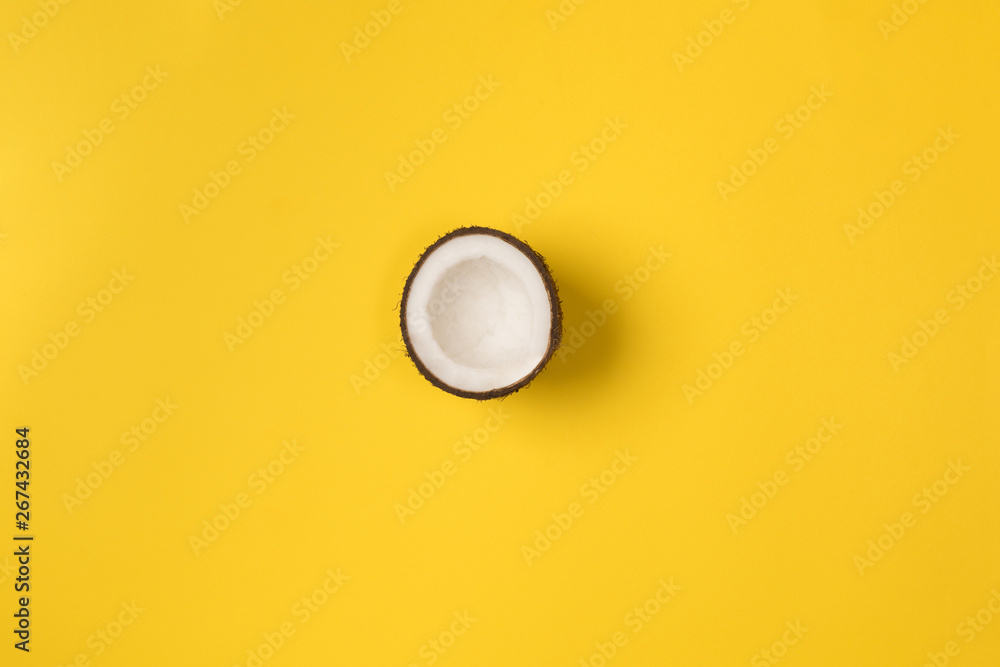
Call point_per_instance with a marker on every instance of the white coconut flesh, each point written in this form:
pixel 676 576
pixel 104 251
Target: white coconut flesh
pixel 478 314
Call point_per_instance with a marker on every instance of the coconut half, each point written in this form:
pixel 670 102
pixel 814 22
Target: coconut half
pixel 480 314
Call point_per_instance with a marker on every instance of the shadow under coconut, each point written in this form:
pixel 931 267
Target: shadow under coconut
pixel 590 343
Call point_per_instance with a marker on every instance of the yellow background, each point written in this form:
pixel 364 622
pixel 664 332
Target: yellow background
pixel 366 444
